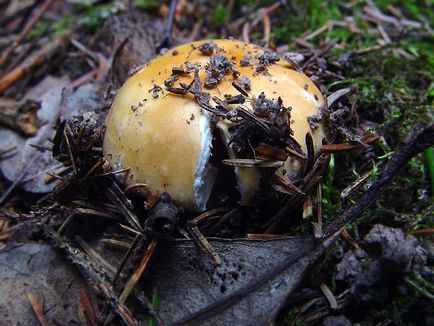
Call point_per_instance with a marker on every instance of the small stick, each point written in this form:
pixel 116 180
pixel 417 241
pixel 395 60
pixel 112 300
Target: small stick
pixel 33 20
pixel 261 13
pixel 91 274
pixel 126 212
pixel 317 31
pixel 319 54
pixel 33 62
pixel 88 307
pixel 317 227
pixel 131 248
pixel 116 243
pixel 68 145
pixel 354 245
pixel 246 32
pixel 6 150
pixel 203 243
pixel 86 78
pixel 263 236
pixel 267 29
pixel 336 148
pixel 17 181
pixel 420 139
pixel 138 272
pixel 96 257
pixel 222 221
pixel 329 296
pixel 167 40
pixel 37 309
pixel 423 232
pixel 207 215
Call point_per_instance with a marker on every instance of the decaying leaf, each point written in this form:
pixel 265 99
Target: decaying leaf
pixel 26 158
pixel 39 269
pixel 249 286
pixel 32 159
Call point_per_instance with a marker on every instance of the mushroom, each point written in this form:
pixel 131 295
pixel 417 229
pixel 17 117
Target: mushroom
pixel 162 120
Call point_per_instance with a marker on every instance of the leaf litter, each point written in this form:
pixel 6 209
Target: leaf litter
pixel 192 284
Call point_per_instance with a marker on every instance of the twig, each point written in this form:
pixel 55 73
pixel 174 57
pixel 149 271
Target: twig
pixel 86 78
pixel 131 248
pixel 33 62
pixel 17 181
pixel 343 147
pixel 420 139
pixel 267 29
pixel 329 296
pixel 245 32
pixel 6 150
pixel 84 49
pixel 68 145
pixel 354 245
pixel 138 272
pixel 423 232
pixel 378 16
pixel 356 184
pixel 318 225
pixel 116 195
pixel 261 236
pixel 206 215
pixel 95 256
pixel 317 31
pixel 88 307
pixel 319 54
pixel 91 275
pixel 333 97
pixel 306 186
pixel 33 20
pixel 167 39
pixel 203 243
pixel 37 309
pixel 261 13
pixel 222 221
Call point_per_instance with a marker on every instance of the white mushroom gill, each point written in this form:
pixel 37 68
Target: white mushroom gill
pixel 205 173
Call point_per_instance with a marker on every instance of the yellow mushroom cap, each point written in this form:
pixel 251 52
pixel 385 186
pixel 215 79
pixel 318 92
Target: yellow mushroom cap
pixel 165 138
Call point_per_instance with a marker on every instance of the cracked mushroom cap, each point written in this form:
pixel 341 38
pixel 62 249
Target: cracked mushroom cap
pixel 165 139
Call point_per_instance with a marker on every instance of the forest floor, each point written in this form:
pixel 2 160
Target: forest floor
pixel 380 269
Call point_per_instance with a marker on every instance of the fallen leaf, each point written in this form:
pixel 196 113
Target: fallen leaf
pixel 56 104
pixel 49 94
pixel 39 269
pixel 250 285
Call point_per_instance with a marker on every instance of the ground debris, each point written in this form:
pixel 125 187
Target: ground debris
pixel 208 48
pixel 268 124
pixel 399 253
pixel 44 272
pixel 373 274
pixel 389 257
pixel 217 67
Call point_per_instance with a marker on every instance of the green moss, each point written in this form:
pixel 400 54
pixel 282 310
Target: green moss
pixel 219 14
pixel 38 30
pixel 393 312
pixel 293 319
pixel 146 5
pixel 92 16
